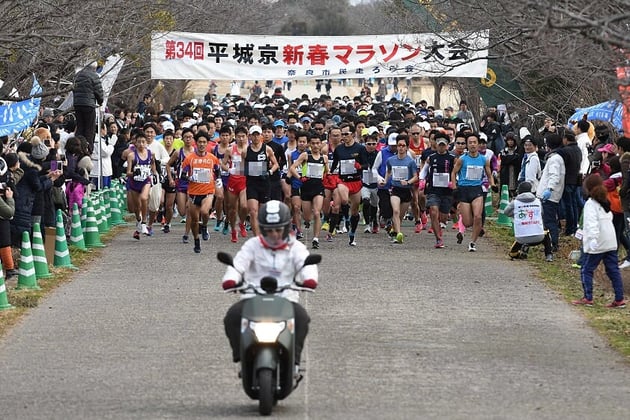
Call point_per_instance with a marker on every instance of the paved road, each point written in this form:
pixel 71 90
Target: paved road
pixel 398 332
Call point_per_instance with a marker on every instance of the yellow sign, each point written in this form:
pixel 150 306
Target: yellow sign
pixel 490 78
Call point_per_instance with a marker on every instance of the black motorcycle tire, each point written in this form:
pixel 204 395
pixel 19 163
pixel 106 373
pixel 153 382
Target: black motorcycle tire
pixel 265 392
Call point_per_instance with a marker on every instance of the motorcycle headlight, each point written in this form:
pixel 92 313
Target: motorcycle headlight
pixel 267 332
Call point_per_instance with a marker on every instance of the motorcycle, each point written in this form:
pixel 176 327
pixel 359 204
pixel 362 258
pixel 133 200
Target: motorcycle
pixel 267 342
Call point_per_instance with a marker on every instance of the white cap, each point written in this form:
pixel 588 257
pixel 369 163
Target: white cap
pixel 255 129
pixel 391 140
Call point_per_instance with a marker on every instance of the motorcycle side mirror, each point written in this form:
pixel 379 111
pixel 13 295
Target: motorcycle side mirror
pixel 225 258
pixel 313 259
pixel 269 284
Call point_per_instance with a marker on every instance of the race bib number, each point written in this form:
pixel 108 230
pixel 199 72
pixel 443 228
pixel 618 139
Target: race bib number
pixel 201 175
pixel 441 180
pixel 400 173
pixel 347 167
pixel 368 177
pixel 474 173
pixel 315 170
pixel 256 168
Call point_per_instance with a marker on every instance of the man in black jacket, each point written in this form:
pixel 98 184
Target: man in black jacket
pixel 87 96
pixel 571 197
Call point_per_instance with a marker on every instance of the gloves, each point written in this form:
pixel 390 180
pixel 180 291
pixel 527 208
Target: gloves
pixel 357 166
pixel 495 188
pixel 450 185
pixel 421 184
pixel 546 195
pixel 593 244
pixel 309 283
pixel 303 179
pixel 229 284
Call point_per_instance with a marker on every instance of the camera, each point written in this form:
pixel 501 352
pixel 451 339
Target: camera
pixel 596 163
pixel 3 186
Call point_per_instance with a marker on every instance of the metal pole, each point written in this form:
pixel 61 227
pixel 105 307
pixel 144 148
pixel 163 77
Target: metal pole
pixel 100 156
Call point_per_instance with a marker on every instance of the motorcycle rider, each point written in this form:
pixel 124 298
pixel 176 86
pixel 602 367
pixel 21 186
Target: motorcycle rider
pixel 274 252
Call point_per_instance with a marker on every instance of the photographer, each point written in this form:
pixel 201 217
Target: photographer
pixel 7 210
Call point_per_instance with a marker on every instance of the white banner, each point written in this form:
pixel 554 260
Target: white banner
pixel 195 56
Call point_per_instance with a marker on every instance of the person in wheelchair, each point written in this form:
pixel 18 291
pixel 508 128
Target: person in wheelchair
pixel 528 223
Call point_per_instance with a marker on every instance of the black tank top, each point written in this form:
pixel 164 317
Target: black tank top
pixel 252 159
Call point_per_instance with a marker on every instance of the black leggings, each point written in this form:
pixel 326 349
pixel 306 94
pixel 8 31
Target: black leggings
pixel 232 322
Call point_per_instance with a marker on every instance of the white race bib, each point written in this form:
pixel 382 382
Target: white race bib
pixel 441 180
pixel 347 167
pixel 314 170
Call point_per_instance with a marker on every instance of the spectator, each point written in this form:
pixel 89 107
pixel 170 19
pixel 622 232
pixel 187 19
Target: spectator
pixel 511 157
pixel 550 188
pixel 77 158
pixel 87 96
pixel 599 243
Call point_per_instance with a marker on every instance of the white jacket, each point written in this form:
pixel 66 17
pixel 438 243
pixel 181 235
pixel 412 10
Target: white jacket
pixel 598 231
pixel 552 178
pixel 256 261
pixel 532 169
pixel 583 142
pixel 106 151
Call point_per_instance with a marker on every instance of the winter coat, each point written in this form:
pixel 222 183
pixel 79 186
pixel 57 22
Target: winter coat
pixel 26 189
pixel 528 222
pixel 552 178
pixel 598 231
pixel 88 90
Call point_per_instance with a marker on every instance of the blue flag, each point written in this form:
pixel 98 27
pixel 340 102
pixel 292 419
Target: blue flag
pixel 19 116
pixel 606 111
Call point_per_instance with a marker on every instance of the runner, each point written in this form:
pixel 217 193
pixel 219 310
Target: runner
pixel 468 174
pixel 237 196
pixel 174 171
pixel 140 168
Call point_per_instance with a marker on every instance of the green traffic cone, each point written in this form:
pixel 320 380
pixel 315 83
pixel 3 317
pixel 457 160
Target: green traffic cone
pixel 84 212
pixel 26 269
pixel 114 208
pixel 104 222
pixel 76 232
pixel 504 220
pixel 4 302
pixel 62 254
pixel 97 215
pixel 108 208
pixel 489 208
pixel 90 234
pixel 39 254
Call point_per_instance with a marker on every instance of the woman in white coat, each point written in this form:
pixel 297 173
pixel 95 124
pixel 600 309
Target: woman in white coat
pixel 105 147
pixel 599 243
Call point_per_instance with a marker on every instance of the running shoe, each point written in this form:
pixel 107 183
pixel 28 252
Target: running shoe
pixel 234 236
pixel 583 302
pixel 460 237
pixel 185 239
pixel 204 233
pixel 217 227
pixel 344 228
pixel 197 247
pixel 419 227
pixel 167 228
pixel 315 243
pixel 351 240
pixel 430 231
pixel 149 231
pixel 145 231
pixel 549 258
pixel 183 220
pixel 307 225
pixel 399 239
pixel 329 237
pixel 325 226
pixel 624 264
pixel 242 229
pixel 367 229
pixel 472 247
pixel 299 234
pixel 213 215
pixel 482 232
pixel 136 235
pixel 443 225
pixel 439 244
pixel 226 228
pixel 618 304
pixel 375 229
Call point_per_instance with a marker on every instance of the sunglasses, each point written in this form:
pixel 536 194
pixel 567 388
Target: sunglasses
pixel 460 142
pixel 345 134
pixel 370 144
pixel 415 134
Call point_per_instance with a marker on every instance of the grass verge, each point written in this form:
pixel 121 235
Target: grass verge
pixel 612 324
pixel 23 300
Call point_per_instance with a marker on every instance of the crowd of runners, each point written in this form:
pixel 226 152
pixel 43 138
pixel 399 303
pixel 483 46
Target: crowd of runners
pixel 345 166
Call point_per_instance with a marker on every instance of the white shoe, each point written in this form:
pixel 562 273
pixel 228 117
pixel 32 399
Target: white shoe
pixel 624 264
pixel 367 230
pixel 145 231
pixel 344 229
